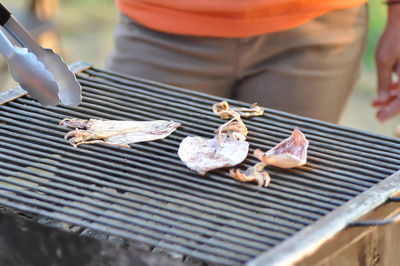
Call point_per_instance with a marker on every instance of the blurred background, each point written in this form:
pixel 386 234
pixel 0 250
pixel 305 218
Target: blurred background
pixel 82 30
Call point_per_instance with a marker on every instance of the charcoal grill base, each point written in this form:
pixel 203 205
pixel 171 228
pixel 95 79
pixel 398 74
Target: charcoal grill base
pixel 28 243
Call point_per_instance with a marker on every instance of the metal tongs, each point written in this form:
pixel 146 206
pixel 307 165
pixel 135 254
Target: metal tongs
pixel 39 71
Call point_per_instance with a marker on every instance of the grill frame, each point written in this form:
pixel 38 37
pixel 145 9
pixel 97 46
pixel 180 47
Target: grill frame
pixel 309 239
pixel 289 251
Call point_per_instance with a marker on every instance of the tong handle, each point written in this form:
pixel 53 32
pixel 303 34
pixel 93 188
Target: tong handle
pixel 4 14
pixel 6 47
pixel 392 220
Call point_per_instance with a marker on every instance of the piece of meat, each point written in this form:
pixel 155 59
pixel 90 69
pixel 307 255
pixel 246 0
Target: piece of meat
pixel 289 153
pixel 223 110
pixel 119 133
pixel 202 154
pixel 239 130
pixel 252 174
pixel 227 148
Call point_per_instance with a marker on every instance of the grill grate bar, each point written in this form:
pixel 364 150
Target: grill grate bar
pixel 361 168
pixel 112 81
pixel 208 189
pixel 87 179
pixel 133 150
pixel 14 148
pixel 122 202
pixel 371 163
pixel 70 200
pixel 153 184
pixel 91 159
pixel 199 205
pixel 94 98
pixel 275 140
pixel 154 110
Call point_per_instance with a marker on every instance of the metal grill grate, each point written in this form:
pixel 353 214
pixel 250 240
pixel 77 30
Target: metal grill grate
pixel 147 195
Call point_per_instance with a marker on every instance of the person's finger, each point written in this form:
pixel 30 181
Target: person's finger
pixel 385 67
pixel 388 111
pixel 393 93
pixel 384 81
pixel 379 103
pixel 395 88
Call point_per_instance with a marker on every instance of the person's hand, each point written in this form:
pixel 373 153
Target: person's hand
pixel 387 63
pixel 391 106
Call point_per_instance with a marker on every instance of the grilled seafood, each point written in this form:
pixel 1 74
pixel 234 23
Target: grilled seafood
pixel 229 146
pixel 252 174
pixel 118 133
pixel 202 154
pixel 236 124
pixel 223 110
pixel 289 153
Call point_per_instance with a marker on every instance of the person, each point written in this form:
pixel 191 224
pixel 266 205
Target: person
pixel 301 57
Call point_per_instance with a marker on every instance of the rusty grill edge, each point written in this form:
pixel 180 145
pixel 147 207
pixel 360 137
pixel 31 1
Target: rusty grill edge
pixel 145 194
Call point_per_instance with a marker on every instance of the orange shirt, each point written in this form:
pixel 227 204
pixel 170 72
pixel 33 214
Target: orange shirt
pixel 227 18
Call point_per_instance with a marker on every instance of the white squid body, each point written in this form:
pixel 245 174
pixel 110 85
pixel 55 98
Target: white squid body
pixel 201 154
pixel 119 133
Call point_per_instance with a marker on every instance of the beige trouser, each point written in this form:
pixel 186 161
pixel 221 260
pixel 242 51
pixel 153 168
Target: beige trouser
pixel 309 70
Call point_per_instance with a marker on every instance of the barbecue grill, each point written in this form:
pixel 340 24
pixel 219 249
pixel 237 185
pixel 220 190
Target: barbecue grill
pixel 146 198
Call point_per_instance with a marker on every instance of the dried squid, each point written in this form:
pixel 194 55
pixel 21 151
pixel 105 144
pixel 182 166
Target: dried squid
pixel 202 154
pixel 252 174
pixel 118 133
pixel 289 153
pixel 228 147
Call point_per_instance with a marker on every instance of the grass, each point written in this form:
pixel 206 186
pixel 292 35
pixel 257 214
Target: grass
pixel 377 19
